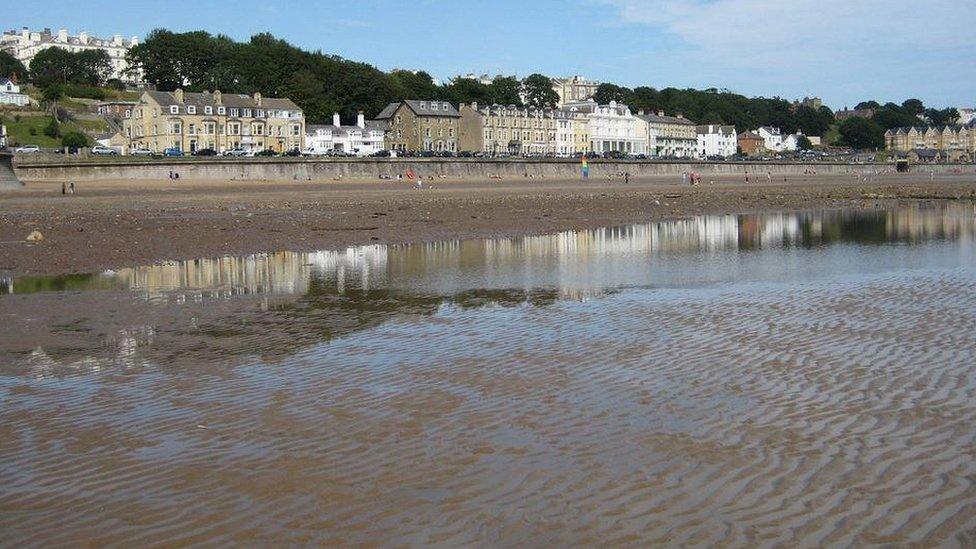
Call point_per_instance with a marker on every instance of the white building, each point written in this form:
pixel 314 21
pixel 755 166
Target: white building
pixel 10 94
pixel 966 115
pixel 612 127
pixel 363 139
pixel 717 140
pixel 773 138
pixel 574 89
pixel 25 44
pixel 670 136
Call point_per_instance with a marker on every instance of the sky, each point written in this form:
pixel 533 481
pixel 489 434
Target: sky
pixel 843 51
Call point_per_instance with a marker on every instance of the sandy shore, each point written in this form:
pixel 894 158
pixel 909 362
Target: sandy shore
pixel 122 223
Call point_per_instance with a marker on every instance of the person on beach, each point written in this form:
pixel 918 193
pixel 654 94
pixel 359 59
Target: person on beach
pixel 64 188
pixel 71 188
pixel 684 178
pixel 747 177
pixel 769 177
pixel 626 178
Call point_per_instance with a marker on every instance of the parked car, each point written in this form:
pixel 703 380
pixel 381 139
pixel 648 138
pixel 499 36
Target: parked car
pixel 172 151
pixel 205 152
pixel 28 149
pixel 266 152
pixel 381 154
pixel 235 152
pixel 293 152
pixel 140 152
pixel 102 150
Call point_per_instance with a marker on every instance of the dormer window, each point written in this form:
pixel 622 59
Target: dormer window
pixel 433 106
pixel 445 106
pixel 423 105
pixel 221 110
pixel 190 109
pixel 208 110
pixel 174 109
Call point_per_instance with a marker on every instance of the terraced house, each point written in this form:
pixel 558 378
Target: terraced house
pixel 952 143
pixel 417 125
pixel 193 121
pixel 495 129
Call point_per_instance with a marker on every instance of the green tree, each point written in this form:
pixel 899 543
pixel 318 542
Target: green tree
pixel 467 90
pixel 10 66
pixel 53 129
pixel 74 140
pixel 606 93
pixel 942 117
pixel 59 66
pixel 538 91
pixel 861 133
pixel 913 107
pixel 505 91
pixel 804 143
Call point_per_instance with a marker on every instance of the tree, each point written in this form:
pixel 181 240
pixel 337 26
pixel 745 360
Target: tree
pixel 863 105
pixel 59 66
pixel 942 117
pixel 861 133
pixel 74 140
pixel 505 91
pixel 913 107
pixel 538 91
pixel 605 93
pixel 10 66
pixel 53 129
pixel 803 143
pixel 467 90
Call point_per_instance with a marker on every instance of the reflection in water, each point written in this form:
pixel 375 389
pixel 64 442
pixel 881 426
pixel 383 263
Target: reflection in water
pixel 761 381
pixel 560 255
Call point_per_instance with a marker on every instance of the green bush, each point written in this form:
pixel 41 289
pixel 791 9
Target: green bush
pixel 74 140
pixel 53 129
pixel 84 92
pixel 32 130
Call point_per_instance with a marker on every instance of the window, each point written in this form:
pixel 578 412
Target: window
pixel 190 109
pixel 176 127
pixel 234 128
pixel 221 110
pixel 398 119
pixel 423 105
pixel 247 113
pixel 128 113
pixel 174 109
pixel 235 112
pixel 296 129
pixel 433 106
pixel 208 110
pixel 427 132
pixel 260 113
pixel 193 129
pixel 445 106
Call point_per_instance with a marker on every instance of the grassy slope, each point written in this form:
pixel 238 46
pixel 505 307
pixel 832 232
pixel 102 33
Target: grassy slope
pixel 18 133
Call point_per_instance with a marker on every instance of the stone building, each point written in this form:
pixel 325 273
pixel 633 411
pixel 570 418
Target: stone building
pixel 194 121
pixel 574 89
pixel 495 129
pixel 419 125
pixel 954 143
pixel 751 143
pixel 671 136
pixel 25 44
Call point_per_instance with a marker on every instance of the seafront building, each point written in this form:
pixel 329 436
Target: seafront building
pixel 366 137
pixel 193 121
pixel 751 144
pixel 670 136
pixel 717 140
pixel 25 44
pixel 955 143
pixel 10 94
pixel 421 125
pixel 772 138
pixel 495 129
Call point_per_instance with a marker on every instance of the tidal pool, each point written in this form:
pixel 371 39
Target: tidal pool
pixel 771 379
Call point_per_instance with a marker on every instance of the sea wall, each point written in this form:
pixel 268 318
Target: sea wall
pixel 58 168
pixel 8 180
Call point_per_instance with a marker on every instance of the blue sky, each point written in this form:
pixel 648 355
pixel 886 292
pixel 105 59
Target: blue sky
pixel 841 50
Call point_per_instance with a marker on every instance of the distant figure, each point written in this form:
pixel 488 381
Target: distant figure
pixel 71 188
pixel 171 174
pixel 769 177
pixel 684 177
pixel 747 177
pixel 626 178
pixel 64 188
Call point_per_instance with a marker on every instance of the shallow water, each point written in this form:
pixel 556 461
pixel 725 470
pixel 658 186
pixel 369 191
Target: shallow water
pixel 776 379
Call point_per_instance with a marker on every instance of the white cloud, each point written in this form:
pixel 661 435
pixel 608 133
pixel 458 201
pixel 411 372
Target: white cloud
pixel 799 41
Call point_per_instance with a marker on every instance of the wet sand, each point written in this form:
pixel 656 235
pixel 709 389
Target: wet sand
pixel 113 224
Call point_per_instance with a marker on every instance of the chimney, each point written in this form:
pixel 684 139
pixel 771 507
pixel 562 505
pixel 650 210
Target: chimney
pixel 178 94
pixel 257 98
pixel 83 37
pixel 63 35
pixel 679 115
pixel 336 121
pixel 660 113
pixel 218 98
pixel 361 119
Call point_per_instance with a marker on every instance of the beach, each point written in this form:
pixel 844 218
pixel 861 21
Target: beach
pixel 110 224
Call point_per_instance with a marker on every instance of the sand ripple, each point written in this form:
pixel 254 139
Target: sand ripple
pixel 817 414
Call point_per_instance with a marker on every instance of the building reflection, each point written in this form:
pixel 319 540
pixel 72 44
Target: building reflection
pixel 566 258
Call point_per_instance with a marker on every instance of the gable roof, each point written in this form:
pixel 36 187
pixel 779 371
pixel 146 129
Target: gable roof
pixel 653 118
pixel 420 108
